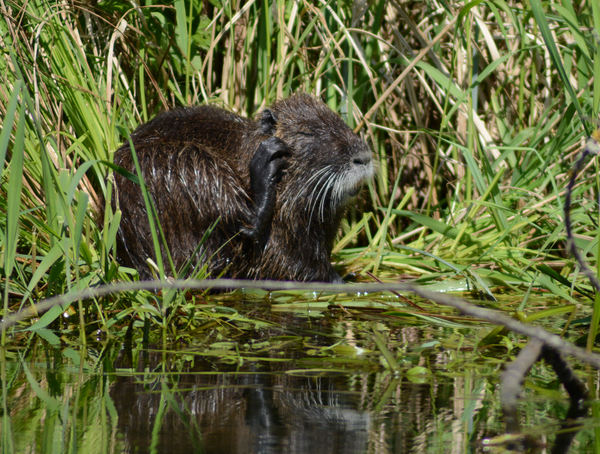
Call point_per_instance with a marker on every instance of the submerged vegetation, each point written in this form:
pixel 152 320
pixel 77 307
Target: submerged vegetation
pixel 476 113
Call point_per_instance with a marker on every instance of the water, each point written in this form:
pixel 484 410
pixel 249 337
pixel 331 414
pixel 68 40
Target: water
pixel 297 385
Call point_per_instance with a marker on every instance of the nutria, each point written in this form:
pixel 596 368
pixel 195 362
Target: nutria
pixel 278 186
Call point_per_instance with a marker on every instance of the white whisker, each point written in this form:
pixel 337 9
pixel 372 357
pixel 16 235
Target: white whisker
pixel 329 184
pixel 292 199
pixel 322 187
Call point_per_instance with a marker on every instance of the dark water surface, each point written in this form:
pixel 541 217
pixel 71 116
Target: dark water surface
pixel 297 385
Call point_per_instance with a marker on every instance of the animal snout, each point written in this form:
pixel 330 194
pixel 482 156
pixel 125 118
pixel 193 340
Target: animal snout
pixel 363 165
pixel 362 160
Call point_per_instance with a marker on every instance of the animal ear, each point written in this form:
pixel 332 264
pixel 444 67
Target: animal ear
pixel 268 122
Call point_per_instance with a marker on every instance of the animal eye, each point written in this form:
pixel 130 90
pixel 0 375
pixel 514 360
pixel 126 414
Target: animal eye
pixel 305 133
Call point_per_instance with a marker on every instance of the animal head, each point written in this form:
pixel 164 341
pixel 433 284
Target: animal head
pixel 329 163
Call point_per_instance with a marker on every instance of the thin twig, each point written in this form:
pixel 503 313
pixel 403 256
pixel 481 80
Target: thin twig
pixel 512 383
pixel 591 148
pixel 491 316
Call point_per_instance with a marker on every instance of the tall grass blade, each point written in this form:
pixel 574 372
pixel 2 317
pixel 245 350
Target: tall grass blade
pixel 540 18
pixel 14 196
pixel 8 121
pixel 11 235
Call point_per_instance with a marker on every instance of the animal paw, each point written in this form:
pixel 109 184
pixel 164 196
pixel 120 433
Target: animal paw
pixel 268 165
pixel 266 170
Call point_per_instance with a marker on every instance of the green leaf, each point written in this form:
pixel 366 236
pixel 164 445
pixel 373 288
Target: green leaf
pixel 418 370
pixel 52 314
pixel 389 357
pixel 436 226
pixel 8 121
pixel 50 259
pixel 75 179
pixel 51 403
pixel 569 16
pixel 540 18
pixel 49 336
pixel 79 217
pixel 14 196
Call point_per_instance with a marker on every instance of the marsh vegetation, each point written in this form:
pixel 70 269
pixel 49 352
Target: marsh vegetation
pixel 476 113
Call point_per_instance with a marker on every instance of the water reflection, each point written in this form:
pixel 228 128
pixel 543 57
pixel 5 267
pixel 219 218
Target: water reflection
pixel 242 413
pixel 120 398
pixel 272 407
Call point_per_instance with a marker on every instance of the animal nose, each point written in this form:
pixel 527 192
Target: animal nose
pixel 362 160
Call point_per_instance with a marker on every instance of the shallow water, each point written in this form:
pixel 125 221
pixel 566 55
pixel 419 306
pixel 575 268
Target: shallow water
pixel 299 385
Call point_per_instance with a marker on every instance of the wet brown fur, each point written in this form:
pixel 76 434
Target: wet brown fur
pixel 195 163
